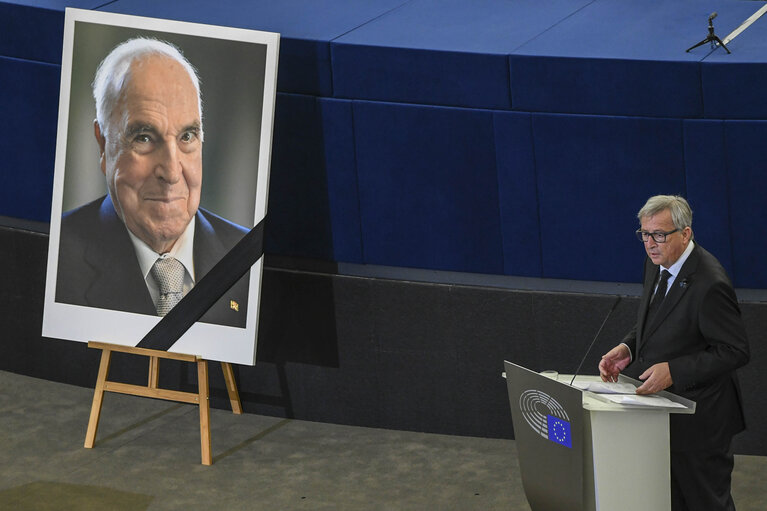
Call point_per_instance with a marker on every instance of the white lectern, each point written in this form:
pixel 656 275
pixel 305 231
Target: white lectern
pixel 580 451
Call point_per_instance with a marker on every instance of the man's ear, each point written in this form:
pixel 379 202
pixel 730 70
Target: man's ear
pixel 101 139
pixel 688 232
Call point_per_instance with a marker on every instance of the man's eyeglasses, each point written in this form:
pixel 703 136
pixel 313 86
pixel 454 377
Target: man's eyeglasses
pixel 659 237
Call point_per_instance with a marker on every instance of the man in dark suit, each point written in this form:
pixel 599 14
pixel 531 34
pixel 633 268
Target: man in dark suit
pixel 689 339
pixel 143 246
pixel 94 243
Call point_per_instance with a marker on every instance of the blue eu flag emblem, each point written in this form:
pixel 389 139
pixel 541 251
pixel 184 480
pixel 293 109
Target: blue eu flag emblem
pixel 559 431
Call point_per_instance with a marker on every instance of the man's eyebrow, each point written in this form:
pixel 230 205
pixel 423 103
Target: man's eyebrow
pixel 137 128
pixel 195 126
pixel 142 127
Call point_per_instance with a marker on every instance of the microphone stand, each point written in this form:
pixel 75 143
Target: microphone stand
pixel 712 37
pixel 615 304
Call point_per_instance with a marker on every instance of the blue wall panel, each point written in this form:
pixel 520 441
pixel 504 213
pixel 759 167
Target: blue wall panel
pixel 31 33
pixel 707 187
pixel 615 57
pixel 594 174
pixel 338 134
pixel 746 156
pixel 313 208
pixel 29 94
pixel 420 76
pixel 734 84
pixel 33 29
pixel 605 86
pixel 517 194
pixel 735 91
pixel 428 187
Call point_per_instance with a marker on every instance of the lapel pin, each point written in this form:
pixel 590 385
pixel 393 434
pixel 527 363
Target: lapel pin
pixel 234 305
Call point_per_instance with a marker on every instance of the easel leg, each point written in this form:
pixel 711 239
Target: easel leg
pixel 98 399
pixel 202 386
pixel 154 372
pixel 231 388
pixel 152 389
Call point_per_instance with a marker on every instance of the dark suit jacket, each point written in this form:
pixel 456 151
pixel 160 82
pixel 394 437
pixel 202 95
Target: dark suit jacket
pixel 98 265
pixel 699 332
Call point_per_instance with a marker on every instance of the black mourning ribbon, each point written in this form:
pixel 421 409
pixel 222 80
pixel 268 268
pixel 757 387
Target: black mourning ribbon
pixel 207 291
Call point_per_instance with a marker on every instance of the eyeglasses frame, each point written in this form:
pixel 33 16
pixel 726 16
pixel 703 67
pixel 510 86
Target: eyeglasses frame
pixel 640 234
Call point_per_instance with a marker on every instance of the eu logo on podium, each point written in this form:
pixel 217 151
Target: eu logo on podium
pixel 559 431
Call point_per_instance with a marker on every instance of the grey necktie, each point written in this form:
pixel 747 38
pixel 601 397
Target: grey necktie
pixel 169 274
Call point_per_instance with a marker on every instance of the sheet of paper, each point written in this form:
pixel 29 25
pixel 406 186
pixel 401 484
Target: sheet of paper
pixel 633 399
pixel 601 387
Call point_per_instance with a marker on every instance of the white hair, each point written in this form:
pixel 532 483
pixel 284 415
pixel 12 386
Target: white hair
pixel 681 214
pixel 113 73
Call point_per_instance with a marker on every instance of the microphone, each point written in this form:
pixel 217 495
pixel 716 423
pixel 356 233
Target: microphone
pixel 615 304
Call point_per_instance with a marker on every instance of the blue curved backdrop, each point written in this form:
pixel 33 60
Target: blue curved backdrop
pixel 493 136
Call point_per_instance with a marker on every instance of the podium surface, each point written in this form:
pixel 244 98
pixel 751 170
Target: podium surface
pixel 580 451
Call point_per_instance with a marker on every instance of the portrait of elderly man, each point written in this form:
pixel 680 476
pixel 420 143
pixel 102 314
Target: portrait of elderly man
pixel 142 246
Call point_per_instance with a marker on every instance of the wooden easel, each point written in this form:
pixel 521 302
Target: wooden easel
pixel 200 398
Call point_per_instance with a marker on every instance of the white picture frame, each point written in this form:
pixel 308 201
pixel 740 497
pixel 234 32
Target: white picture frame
pixel 238 80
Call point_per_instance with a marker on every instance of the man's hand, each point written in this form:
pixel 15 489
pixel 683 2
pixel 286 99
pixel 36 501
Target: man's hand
pixel 613 362
pixel 656 378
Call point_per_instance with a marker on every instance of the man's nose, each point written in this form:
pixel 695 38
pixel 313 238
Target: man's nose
pixel 168 167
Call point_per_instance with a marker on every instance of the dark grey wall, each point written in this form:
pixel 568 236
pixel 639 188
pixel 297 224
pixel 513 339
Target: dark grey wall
pixel 366 351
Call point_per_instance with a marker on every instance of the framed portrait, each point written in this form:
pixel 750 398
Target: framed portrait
pixel 162 166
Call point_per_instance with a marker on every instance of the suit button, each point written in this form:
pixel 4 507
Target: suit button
pixel 641 359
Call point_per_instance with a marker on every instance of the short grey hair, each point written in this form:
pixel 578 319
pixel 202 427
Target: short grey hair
pixel 681 214
pixel 113 73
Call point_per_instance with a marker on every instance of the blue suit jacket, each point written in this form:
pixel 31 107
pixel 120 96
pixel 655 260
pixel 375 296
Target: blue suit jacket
pixel 699 332
pixel 98 267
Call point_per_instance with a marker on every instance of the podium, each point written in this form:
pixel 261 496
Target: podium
pixel 581 452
